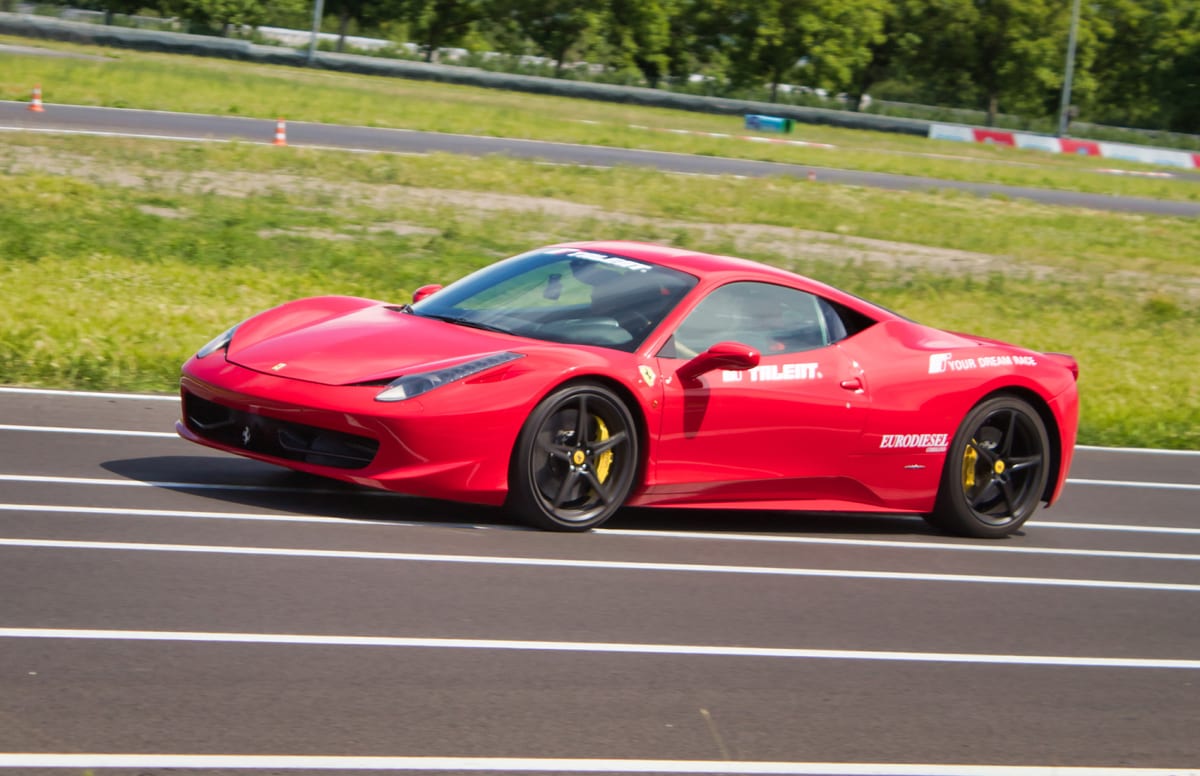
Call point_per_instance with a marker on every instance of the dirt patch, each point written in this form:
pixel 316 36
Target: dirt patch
pixel 45 52
pixel 783 241
pixel 162 212
pixel 400 229
pixel 788 243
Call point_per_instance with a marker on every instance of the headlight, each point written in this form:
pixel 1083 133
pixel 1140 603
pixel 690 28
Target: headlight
pixel 220 342
pixel 408 386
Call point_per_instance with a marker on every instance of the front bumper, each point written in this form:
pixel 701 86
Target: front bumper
pixel 341 432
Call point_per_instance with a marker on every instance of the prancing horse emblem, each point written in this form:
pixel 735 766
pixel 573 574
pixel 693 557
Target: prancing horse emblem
pixel 245 436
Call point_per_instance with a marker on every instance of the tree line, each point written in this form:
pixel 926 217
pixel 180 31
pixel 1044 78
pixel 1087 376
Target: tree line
pixel 1137 62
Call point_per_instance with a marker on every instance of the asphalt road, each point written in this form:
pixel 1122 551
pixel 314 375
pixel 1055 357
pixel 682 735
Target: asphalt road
pixel 16 116
pixel 166 606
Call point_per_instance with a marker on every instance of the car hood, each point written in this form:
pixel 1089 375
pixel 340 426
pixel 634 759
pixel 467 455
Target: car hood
pixel 362 345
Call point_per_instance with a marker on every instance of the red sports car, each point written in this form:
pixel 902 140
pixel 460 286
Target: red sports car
pixel 571 380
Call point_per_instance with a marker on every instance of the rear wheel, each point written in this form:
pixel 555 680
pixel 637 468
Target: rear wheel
pixel 575 461
pixel 995 472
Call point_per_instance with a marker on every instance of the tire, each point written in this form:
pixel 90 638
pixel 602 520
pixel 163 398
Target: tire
pixel 575 460
pixel 995 472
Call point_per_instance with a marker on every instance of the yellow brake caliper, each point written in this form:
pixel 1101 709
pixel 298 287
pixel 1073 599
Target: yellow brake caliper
pixel 604 461
pixel 970 458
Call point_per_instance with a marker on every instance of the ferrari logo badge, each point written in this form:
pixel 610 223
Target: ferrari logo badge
pixel 246 435
pixel 578 457
pixel 279 366
pixel 647 374
pixel 999 467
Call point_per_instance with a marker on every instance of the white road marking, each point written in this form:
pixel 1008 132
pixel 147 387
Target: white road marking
pixel 172 397
pixel 564 765
pixel 138 135
pixel 93 431
pixel 640 533
pixel 36 479
pixel 705 568
pixel 1154 529
pixel 307 639
pixel 1135 450
pixel 945 546
pixel 1136 484
pixel 205 139
pixel 185 514
pixel 249 762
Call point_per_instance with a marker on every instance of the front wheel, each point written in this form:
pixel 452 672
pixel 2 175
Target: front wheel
pixel 995 472
pixel 575 460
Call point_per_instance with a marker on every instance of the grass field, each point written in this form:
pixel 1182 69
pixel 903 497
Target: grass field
pixel 118 258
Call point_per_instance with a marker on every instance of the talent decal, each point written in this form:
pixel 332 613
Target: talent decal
pixel 940 363
pixel 767 373
pixel 930 443
pixel 616 261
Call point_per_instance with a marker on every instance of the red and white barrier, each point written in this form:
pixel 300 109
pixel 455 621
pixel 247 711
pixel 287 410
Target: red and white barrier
pixel 1123 151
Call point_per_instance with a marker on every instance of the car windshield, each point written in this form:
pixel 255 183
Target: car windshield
pixel 564 295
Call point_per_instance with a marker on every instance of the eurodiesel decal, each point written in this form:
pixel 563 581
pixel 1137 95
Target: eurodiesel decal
pixel 930 443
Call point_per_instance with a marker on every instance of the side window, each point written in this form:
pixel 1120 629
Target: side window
pixel 841 322
pixel 772 319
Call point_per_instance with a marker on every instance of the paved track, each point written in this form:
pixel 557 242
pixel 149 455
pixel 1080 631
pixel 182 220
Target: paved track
pixel 68 118
pixel 170 604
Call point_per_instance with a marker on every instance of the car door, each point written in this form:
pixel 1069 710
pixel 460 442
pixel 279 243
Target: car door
pixel 781 430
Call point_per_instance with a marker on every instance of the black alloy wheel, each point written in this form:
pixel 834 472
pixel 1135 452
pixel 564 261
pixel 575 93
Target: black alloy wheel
pixel 575 460
pixel 996 470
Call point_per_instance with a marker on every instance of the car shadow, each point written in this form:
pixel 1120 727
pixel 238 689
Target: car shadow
pixel 252 484
pixel 733 520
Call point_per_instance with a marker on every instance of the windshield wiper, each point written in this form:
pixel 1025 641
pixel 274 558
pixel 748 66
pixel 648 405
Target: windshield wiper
pixel 460 321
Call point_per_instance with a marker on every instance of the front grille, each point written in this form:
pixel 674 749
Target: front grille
pixel 276 438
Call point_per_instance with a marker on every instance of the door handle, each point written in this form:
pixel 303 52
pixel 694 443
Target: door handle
pixel 853 384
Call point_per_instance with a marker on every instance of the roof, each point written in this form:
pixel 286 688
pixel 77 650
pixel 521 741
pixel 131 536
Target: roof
pixel 682 259
pixel 706 264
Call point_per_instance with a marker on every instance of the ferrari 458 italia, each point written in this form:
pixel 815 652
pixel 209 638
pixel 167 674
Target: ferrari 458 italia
pixel 571 380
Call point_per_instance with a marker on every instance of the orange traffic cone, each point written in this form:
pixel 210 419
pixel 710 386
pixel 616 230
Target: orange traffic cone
pixel 36 103
pixel 280 133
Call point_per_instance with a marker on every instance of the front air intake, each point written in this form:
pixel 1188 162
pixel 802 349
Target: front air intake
pixel 275 438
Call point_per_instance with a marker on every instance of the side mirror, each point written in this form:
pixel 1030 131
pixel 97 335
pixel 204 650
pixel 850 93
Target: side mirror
pixel 425 291
pixel 723 355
